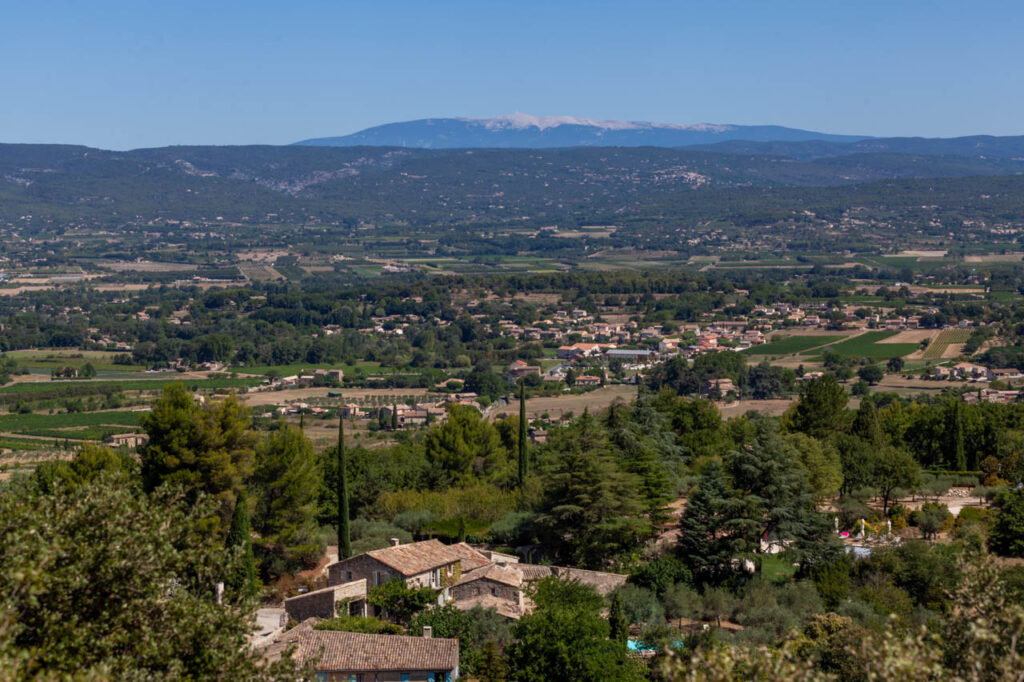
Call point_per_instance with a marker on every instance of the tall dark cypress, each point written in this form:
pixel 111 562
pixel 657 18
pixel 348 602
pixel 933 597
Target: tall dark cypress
pixel 344 536
pixel 241 581
pixel 524 463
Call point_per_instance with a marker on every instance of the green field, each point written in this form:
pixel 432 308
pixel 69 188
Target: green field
pixel 947 336
pixel 41 390
pixel 793 344
pixel 51 359
pixel 75 425
pixel 867 346
pixel 15 443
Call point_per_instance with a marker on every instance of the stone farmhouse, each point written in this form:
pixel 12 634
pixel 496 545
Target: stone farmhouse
pixel 460 574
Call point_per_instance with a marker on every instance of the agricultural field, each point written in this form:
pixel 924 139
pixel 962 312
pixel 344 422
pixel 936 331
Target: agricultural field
pixel 303 368
pixel 557 406
pixel 259 272
pixel 870 345
pixel 947 337
pixel 51 359
pixel 787 345
pixel 75 425
pixel 40 390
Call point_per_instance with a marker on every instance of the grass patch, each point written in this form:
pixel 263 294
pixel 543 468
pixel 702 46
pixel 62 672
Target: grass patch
pixel 777 568
pixel 793 344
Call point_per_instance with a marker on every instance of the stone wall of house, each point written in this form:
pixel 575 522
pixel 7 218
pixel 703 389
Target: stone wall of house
pixel 360 567
pixel 318 604
pixel 484 587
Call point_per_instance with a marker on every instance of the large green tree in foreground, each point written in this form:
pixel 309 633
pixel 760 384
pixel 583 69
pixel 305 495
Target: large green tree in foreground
pixel 207 448
pixel 566 638
pixel 104 582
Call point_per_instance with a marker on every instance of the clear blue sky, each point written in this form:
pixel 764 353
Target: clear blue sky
pixel 154 72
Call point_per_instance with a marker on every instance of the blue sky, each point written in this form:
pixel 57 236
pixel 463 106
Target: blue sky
pixel 154 72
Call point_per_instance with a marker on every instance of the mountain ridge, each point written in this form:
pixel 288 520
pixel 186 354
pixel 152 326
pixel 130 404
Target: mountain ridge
pixel 525 131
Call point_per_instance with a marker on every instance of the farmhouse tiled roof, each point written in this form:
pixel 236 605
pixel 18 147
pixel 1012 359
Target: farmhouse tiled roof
pixel 415 557
pixel 359 652
pixel 471 558
pixel 603 582
pixel 506 575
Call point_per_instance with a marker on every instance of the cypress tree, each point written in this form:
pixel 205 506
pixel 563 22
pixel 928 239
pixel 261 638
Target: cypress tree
pixel 524 463
pixel 394 417
pixel 241 581
pixel 344 537
pixel 617 619
pixel 957 436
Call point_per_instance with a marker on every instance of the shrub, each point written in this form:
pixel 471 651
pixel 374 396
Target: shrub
pixel 369 625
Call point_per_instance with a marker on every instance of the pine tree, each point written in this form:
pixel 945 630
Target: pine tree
pixel 286 481
pixel 206 448
pixel 867 426
pixel 709 535
pixel 617 619
pixel 820 409
pixel 241 581
pixel 955 424
pixel 524 462
pixel 344 535
pixel 492 666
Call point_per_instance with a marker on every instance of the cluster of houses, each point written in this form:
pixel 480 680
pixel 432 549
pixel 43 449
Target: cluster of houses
pixel 405 415
pixel 458 574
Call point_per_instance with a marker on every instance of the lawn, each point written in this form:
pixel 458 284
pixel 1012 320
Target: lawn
pixel 777 568
pixel 793 344
pixel 867 346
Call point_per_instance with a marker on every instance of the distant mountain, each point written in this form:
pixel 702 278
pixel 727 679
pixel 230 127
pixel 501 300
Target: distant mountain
pixel 537 132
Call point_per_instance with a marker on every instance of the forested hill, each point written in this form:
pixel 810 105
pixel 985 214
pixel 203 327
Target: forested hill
pixel 57 183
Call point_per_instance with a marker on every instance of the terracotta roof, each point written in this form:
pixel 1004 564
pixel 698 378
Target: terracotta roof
pixel 505 575
pixel 471 558
pixel 416 557
pixel 359 652
pixel 534 571
pixel 603 582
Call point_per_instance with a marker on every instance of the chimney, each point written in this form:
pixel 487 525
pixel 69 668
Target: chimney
pixel 395 542
pixel 428 632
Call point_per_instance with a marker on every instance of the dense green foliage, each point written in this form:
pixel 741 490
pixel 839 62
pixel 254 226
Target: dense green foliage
pixel 566 638
pixel 87 595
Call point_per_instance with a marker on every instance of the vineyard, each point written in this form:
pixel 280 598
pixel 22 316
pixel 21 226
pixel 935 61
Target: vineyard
pixel 937 348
